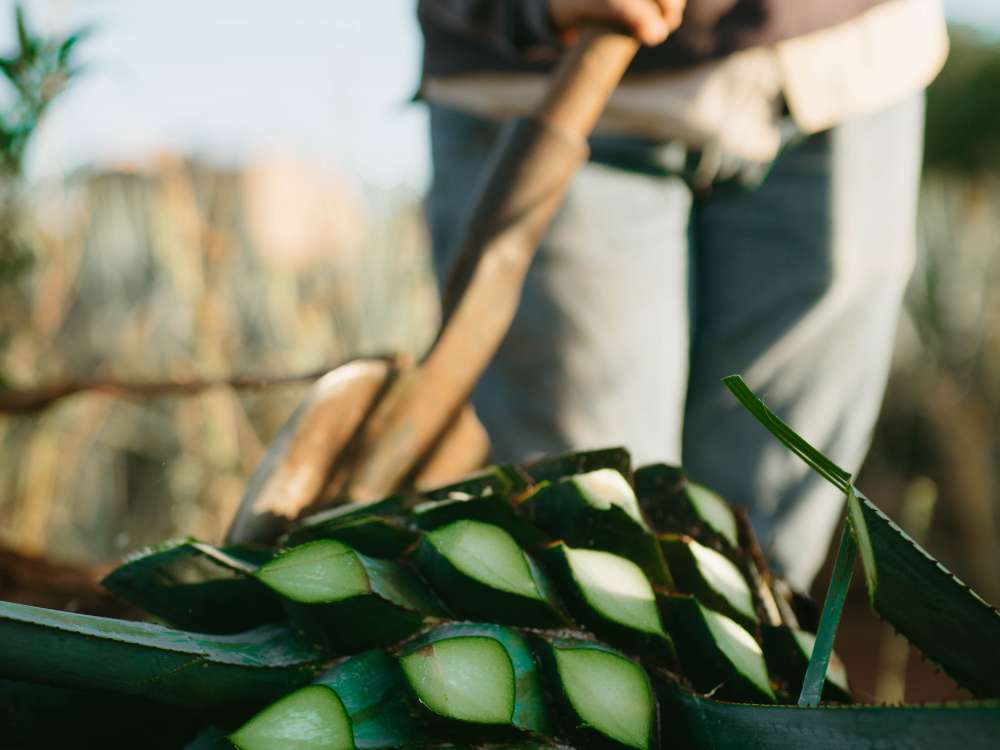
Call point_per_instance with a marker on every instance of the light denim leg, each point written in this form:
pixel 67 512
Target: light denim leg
pixel 597 354
pixel 798 287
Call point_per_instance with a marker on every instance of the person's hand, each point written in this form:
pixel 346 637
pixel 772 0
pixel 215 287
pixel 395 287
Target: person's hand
pixel 650 21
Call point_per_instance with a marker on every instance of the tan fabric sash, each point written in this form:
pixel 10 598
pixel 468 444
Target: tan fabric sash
pixel 872 61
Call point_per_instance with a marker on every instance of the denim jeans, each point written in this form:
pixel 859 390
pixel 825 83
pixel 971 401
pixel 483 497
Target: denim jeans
pixel 646 292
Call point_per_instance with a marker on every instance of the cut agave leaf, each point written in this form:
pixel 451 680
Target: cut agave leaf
pixel 216 676
pixel 311 718
pixel 491 509
pixel 464 678
pixel 530 712
pixel 378 700
pixel 492 481
pixel 345 601
pixel 553 468
pixel 710 577
pixel 480 572
pixel 598 510
pixel 197 587
pixel 605 697
pixel 603 490
pixel 372 693
pixel 676 505
pixel 925 602
pixel 376 536
pixel 787 651
pixel 611 597
pixel 712 511
pixel 392 506
pixel 717 654
pixel 702 723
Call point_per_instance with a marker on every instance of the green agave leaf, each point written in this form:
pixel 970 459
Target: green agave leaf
pixel 392 506
pixel 383 711
pixel 378 700
pixel 529 711
pixel 493 481
pixel 491 509
pixel 918 596
pixel 939 614
pixel 36 716
pixel 311 718
pixel 194 586
pixel 598 510
pixel 465 678
pixel 605 699
pixel 833 607
pixel 611 597
pixel 787 652
pixel 480 572
pixel 212 738
pixel 836 675
pixel 554 468
pixel 347 602
pixel 676 505
pixel 374 708
pixel 529 745
pixel 534 744
pixel 718 655
pixel 28 43
pixel 712 511
pixel 702 723
pixel 208 674
pixel 710 577
pixel 794 442
pixel 369 534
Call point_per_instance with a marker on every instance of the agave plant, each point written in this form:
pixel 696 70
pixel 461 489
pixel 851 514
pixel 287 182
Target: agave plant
pixel 569 603
pixel 37 72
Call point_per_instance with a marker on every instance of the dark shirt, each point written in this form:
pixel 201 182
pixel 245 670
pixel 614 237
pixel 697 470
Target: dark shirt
pixel 465 36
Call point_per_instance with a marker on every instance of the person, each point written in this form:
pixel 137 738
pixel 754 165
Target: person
pixel 748 207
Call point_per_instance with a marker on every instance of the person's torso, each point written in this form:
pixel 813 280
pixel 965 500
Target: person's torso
pixel 725 78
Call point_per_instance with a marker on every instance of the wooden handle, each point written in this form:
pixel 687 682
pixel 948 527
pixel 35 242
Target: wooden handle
pixel 578 92
pixel 524 188
pixel 585 79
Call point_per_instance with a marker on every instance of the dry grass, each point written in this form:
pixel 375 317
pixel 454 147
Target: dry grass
pixel 181 272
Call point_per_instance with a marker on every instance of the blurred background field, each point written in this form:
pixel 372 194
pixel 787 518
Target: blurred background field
pixel 187 271
pixel 204 264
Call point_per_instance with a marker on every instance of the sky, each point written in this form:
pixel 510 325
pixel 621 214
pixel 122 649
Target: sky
pixel 327 81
